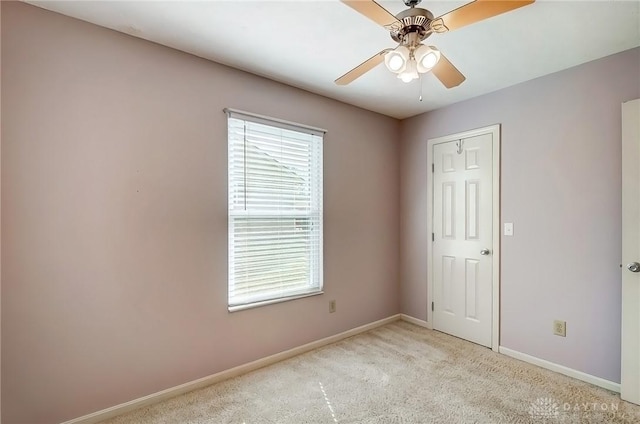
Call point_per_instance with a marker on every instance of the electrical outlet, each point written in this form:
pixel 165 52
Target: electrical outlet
pixel 332 306
pixel 560 328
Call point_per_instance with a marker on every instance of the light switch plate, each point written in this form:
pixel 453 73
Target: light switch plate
pixel 508 228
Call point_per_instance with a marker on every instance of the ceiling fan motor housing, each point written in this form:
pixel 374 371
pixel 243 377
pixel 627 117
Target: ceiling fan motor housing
pixel 414 21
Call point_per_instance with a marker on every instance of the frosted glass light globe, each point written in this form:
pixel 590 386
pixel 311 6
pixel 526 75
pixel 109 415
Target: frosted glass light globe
pixel 429 60
pixel 410 73
pixel 427 57
pixel 406 77
pixel 396 60
pixel 395 63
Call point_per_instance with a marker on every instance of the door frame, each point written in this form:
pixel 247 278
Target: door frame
pixel 630 340
pixel 494 130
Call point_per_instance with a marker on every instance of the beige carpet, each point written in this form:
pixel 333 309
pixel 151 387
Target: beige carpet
pixel 399 373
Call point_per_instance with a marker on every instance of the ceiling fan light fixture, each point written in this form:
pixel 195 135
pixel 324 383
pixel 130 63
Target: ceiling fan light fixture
pixel 396 60
pixel 427 57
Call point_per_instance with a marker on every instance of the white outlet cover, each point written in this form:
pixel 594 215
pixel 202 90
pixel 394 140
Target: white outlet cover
pixel 508 228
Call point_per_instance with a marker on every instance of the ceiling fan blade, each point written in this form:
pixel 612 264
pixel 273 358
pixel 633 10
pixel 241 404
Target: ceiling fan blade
pixel 448 74
pixel 478 10
pixel 373 11
pixel 361 69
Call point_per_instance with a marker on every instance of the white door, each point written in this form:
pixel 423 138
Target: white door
pixel 630 383
pixel 462 243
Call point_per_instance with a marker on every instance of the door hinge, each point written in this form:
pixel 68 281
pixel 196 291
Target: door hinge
pixel 432 307
pixel 433 237
pixel 433 167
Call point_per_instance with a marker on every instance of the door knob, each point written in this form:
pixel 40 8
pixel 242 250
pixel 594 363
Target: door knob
pixel 486 252
pixel 634 267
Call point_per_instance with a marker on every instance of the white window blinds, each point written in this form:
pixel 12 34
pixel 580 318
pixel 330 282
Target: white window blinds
pixel 275 209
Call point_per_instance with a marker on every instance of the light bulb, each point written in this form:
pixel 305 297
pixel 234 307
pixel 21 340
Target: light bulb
pixel 410 73
pixel 427 57
pixel 406 77
pixel 396 62
pixel 429 60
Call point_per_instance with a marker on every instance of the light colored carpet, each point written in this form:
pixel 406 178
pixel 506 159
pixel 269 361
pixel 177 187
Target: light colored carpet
pixel 399 373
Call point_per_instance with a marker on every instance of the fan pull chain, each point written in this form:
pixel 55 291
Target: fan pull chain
pixel 420 82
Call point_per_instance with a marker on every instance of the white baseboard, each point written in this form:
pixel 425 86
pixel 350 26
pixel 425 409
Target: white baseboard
pixel 416 321
pixel 123 408
pixel 579 375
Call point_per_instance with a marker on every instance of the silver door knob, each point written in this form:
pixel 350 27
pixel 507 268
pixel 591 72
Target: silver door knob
pixel 486 252
pixel 634 267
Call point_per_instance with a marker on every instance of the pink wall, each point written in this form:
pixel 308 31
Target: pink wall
pixel 114 225
pixel 113 234
pixel 561 182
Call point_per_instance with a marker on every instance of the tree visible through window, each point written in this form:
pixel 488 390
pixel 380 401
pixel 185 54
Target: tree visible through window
pixel 275 210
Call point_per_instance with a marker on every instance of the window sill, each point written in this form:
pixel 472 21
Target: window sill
pixel 272 301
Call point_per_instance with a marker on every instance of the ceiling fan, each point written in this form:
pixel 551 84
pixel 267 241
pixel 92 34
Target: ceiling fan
pixel 410 27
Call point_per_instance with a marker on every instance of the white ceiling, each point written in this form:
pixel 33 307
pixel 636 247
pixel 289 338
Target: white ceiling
pixel 309 43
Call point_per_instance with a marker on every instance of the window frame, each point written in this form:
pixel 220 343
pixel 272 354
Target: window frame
pixel 316 252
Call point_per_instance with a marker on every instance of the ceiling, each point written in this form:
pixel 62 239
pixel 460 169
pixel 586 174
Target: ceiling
pixel 309 43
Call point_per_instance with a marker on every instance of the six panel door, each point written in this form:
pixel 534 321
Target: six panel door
pixel 463 239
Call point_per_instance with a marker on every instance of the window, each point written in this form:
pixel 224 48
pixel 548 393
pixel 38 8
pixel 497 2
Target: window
pixel 275 210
